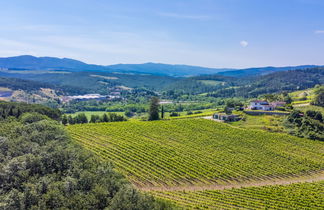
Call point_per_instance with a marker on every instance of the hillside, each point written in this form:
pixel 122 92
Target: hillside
pixel 197 152
pixel 25 62
pixel 249 87
pixel 92 82
pixel 277 82
pixel 165 69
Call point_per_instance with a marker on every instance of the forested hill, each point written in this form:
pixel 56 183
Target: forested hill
pixel 276 82
pixel 222 86
pixel 31 86
pixel 262 71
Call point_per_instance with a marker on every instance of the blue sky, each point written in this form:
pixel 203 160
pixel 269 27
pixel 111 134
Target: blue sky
pixel 212 33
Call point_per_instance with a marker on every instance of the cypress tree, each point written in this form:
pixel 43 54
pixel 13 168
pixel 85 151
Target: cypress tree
pixel 154 109
pixel 162 112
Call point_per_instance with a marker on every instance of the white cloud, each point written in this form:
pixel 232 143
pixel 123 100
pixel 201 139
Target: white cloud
pixel 319 32
pixel 183 16
pixel 244 43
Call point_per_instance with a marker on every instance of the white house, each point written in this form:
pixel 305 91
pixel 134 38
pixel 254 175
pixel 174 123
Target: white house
pixel 261 105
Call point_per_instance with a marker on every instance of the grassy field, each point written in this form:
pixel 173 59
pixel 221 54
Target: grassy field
pixel 294 196
pixel 211 82
pixel 205 112
pixel 264 122
pixel 197 152
pixel 88 114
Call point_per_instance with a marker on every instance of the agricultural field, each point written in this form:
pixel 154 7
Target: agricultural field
pixel 293 196
pixel 197 152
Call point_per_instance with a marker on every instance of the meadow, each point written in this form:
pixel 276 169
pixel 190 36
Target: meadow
pixel 197 152
pixel 89 113
pixel 271 123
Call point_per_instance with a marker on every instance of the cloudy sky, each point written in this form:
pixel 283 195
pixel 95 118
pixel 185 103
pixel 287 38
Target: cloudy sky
pixel 212 33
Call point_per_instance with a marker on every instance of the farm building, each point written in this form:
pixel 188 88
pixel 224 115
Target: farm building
pixel 226 117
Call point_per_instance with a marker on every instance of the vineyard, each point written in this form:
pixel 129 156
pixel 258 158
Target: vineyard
pixel 294 196
pixel 198 152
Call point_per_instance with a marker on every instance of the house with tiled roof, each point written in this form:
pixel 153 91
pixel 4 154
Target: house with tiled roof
pixel 261 105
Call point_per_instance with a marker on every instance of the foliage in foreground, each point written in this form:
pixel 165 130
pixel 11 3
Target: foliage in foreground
pixel 308 125
pixel 197 151
pixel 294 196
pixel 41 169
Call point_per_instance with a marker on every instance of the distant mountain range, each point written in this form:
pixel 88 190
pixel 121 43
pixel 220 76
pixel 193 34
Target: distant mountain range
pixel 28 62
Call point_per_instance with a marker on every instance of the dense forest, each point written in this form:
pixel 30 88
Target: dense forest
pixel 32 86
pixel 41 168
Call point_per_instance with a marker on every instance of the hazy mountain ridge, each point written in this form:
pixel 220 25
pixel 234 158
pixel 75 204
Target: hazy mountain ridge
pixel 29 62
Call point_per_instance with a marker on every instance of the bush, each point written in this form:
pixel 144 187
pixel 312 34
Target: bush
pixel 27 118
pixel 174 114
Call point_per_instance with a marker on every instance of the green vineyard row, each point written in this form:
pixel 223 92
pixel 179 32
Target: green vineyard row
pixel 197 152
pixel 294 196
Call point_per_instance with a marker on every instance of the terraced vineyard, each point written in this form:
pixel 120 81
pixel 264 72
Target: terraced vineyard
pixel 197 152
pixel 294 196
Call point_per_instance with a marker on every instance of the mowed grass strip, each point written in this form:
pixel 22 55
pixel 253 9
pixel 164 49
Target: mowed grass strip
pixel 198 152
pixel 294 196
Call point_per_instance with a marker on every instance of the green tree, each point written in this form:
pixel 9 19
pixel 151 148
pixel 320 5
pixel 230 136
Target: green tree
pixel 105 118
pixel 64 120
pixel 319 96
pixel 162 112
pixel 288 99
pixel 70 120
pixel 94 119
pixel 154 108
pixel 81 118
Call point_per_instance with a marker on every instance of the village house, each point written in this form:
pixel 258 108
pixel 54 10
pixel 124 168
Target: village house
pixel 265 105
pixel 261 105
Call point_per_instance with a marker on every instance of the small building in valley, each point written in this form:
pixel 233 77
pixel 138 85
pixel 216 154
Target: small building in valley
pixel 226 118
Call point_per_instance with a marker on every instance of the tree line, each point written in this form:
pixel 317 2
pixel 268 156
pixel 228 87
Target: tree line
pixel 81 118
